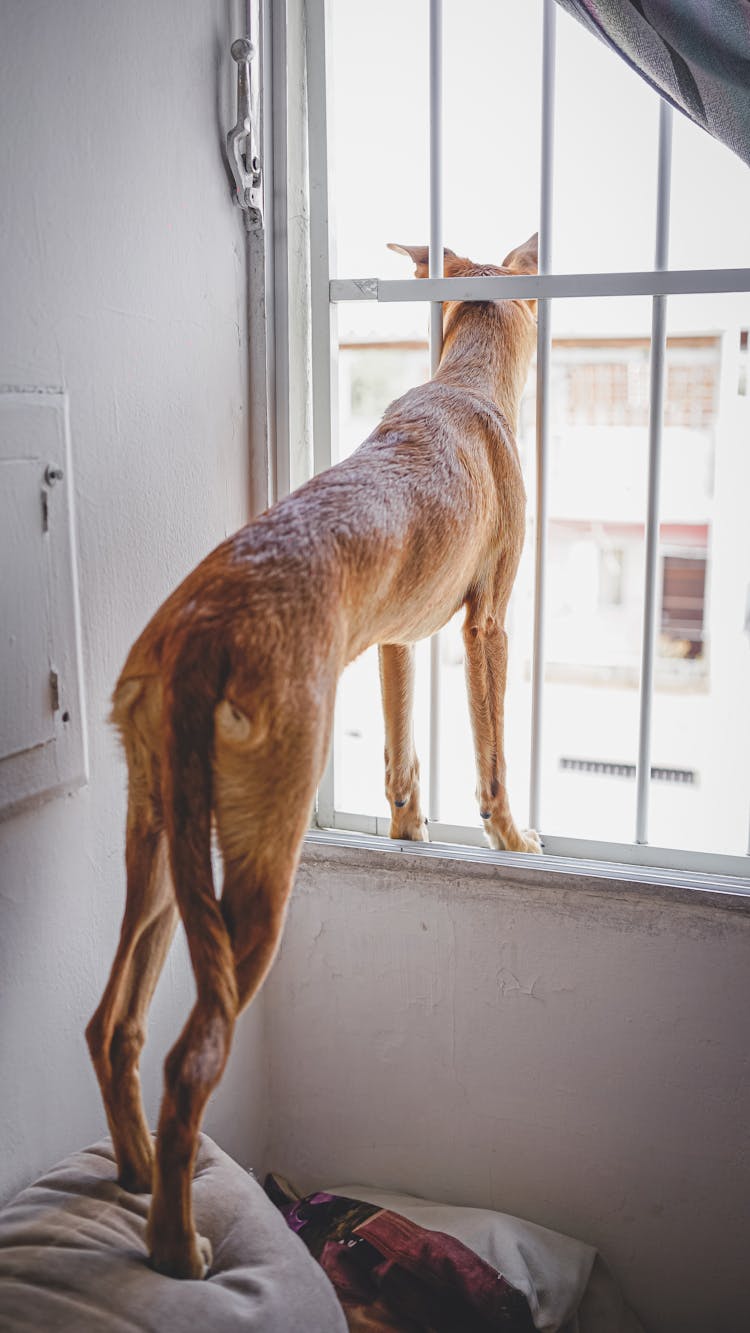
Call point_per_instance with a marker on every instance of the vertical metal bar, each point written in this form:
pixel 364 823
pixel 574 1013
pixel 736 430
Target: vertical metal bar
pixel 436 270
pixel 276 17
pixel 324 333
pixel 260 324
pixel 436 262
pixel 543 353
pixel 301 464
pixel 656 412
pixel 323 321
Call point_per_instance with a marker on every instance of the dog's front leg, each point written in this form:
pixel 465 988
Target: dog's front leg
pixel 486 650
pixel 401 763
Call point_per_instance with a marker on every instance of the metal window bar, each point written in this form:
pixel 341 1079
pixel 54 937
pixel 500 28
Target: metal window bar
pixel 543 356
pixel 260 273
pixel 436 269
pixel 656 415
pixel 323 315
pixel 658 283
pixel 277 250
pixel 672 282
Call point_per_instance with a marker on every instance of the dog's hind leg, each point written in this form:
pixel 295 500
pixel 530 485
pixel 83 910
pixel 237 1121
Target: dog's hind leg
pixel 262 792
pixel 401 763
pixel 191 1072
pixel 117 1030
pixel 263 802
pixel 232 946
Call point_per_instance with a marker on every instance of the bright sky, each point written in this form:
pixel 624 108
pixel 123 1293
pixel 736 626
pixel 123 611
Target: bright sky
pixel 606 135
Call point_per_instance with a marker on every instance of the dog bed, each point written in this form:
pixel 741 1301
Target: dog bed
pixel 73 1258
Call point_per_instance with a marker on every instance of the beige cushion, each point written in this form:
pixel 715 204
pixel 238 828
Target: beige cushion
pixel 73 1257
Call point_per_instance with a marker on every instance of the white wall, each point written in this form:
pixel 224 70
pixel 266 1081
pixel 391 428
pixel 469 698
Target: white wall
pixel 575 1056
pixel 123 284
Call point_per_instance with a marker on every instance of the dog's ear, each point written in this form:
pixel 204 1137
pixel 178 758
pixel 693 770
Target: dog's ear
pixel 421 256
pixel 525 258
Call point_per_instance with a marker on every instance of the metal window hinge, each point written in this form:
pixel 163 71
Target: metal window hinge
pixel 54 690
pixel 52 474
pixel 242 140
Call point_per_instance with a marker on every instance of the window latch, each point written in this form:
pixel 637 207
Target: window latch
pixel 242 140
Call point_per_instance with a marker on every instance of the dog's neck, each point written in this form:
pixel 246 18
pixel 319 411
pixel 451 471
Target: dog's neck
pixel 488 349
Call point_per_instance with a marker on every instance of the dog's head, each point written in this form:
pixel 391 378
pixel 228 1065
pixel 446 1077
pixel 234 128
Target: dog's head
pixel 523 260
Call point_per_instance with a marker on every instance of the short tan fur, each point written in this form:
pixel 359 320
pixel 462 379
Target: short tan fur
pixel 225 707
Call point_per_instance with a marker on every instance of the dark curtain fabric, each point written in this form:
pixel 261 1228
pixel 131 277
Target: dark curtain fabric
pixel 696 53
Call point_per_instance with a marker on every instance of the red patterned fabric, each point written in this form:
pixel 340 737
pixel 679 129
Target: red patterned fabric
pixel 391 1274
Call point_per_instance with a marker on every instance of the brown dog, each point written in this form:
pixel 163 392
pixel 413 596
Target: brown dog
pixel 225 706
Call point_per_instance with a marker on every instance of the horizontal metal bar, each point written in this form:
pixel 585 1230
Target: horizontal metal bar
pixel 651 283
pixel 580 850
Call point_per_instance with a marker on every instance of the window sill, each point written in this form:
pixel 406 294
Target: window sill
pixel 512 869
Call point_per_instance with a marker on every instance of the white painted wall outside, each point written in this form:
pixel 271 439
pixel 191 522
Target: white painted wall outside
pixel 574 1056
pixel 124 286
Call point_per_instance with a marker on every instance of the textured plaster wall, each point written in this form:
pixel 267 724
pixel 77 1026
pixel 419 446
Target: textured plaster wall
pixel 576 1056
pixel 123 283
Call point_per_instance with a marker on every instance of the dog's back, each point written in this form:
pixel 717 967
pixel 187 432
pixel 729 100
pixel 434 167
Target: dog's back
pixel 383 547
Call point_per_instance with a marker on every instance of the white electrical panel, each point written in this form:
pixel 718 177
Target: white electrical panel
pixel 42 727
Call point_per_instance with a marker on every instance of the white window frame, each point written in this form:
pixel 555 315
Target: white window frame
pixel 701 869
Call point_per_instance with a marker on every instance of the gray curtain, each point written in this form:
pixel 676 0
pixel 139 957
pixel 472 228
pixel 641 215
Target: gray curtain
pixel 696 53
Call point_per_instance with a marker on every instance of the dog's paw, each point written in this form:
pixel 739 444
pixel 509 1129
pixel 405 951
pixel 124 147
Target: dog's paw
pixel 512 840
pixel 205 1255
pixel 421 832
pixel 532 841
pixel 192 1262
pixel 410 830
pixel 407 820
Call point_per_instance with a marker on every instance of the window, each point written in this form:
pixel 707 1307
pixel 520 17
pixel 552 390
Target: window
pixel 682 606
pixel 612 693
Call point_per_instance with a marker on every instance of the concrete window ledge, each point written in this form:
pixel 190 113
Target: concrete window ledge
pixel 494 873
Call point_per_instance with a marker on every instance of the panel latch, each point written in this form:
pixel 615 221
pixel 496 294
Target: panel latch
pixel 242 140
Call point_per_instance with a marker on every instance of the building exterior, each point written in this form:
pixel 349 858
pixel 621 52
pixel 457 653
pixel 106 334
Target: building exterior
pixel 596 547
